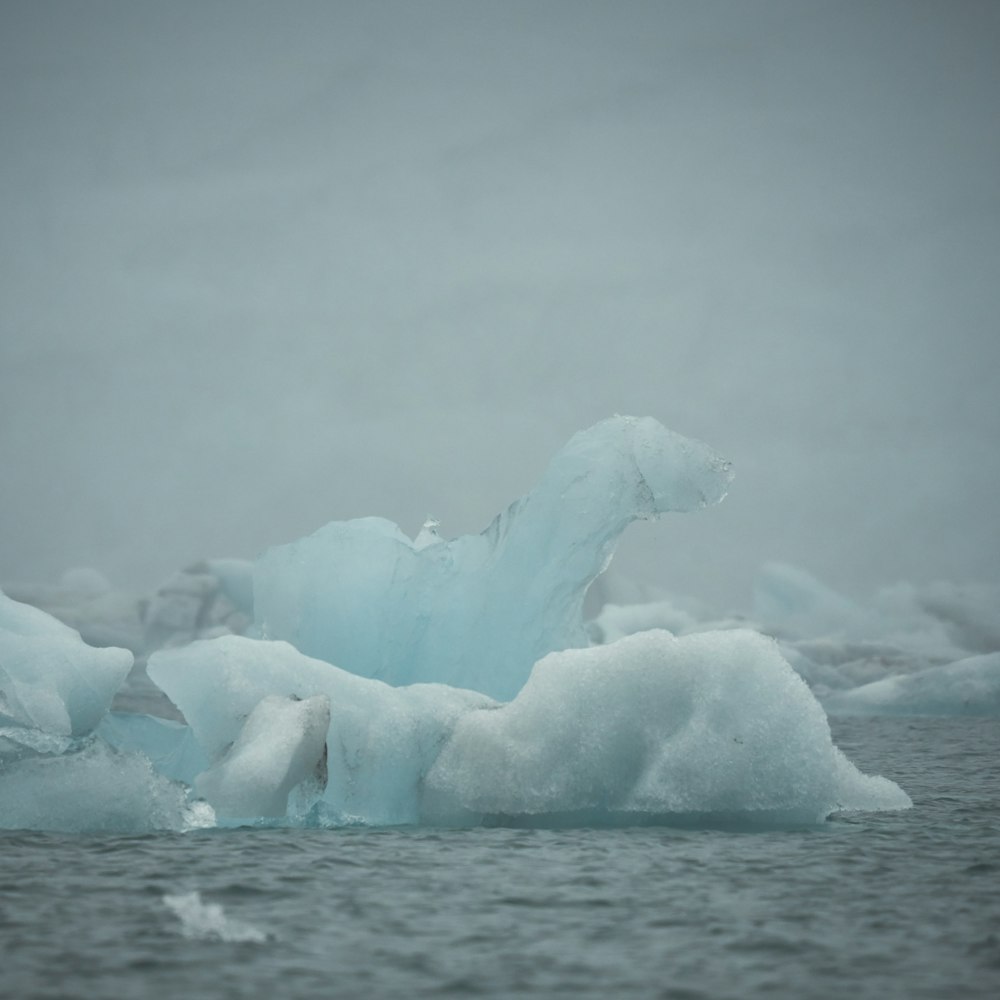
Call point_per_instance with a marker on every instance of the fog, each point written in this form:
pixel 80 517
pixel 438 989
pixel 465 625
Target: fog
pixel 266 265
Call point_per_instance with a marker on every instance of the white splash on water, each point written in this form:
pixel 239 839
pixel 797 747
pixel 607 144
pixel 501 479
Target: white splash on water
pixel 202 921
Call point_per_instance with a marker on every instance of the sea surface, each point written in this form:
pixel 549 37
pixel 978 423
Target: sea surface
pixel 902 904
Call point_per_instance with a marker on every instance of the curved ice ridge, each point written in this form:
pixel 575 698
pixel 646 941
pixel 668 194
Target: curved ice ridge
pixel 478 611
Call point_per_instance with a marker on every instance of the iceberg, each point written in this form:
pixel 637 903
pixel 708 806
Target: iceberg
pixel 431 681
pixel 966 687
pixel 50 679
pixel 479 610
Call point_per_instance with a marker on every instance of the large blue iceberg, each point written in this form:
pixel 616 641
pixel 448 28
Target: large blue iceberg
pixel 480 610
pixel 399 681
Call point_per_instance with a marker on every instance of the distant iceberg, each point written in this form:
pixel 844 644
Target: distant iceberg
pixel 967 687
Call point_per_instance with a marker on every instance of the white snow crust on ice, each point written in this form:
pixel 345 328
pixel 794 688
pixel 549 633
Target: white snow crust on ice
pixel 710 727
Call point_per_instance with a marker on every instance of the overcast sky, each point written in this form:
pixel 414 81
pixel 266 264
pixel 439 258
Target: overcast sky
pixel 265 265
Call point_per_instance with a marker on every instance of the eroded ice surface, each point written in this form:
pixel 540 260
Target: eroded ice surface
pixel 714 727
pixel 478 611
pixel 709 727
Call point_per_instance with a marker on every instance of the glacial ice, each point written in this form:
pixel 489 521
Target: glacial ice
pixel 281 746
pixel 714 727
pixel 202 921
pixel 91 788
pixel 443 682
pixel 711 727
pixel 170 746
pixel 49 678
pixel 966 687
pixel 380 740
pixel 478 611
pixel 54 773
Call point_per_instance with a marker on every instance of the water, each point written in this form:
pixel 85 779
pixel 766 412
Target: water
pixel 882 905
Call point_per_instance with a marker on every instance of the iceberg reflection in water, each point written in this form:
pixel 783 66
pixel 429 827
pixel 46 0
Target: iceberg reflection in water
pixel 443 682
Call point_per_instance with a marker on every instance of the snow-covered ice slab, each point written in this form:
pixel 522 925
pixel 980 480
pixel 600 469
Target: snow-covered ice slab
pixel 478 611
pixel 710 728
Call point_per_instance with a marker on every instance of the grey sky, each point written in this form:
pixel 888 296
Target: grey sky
pixel 265 265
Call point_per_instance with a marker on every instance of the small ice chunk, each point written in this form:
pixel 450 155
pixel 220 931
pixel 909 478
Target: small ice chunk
pixel 478 611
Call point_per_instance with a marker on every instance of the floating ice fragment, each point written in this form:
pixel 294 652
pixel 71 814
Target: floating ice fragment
pixel 478 611
pixel 202 921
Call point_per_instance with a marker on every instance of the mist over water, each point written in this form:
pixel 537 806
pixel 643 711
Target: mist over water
pixel 264 266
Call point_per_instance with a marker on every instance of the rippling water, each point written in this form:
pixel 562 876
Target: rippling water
pixel 882 905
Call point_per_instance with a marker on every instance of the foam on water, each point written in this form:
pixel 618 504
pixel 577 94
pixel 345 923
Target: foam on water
pixel 201 921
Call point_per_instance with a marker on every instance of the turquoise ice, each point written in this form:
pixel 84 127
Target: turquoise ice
pixel 478 611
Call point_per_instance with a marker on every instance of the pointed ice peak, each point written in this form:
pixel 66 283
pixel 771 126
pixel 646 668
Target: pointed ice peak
pixel 428 534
